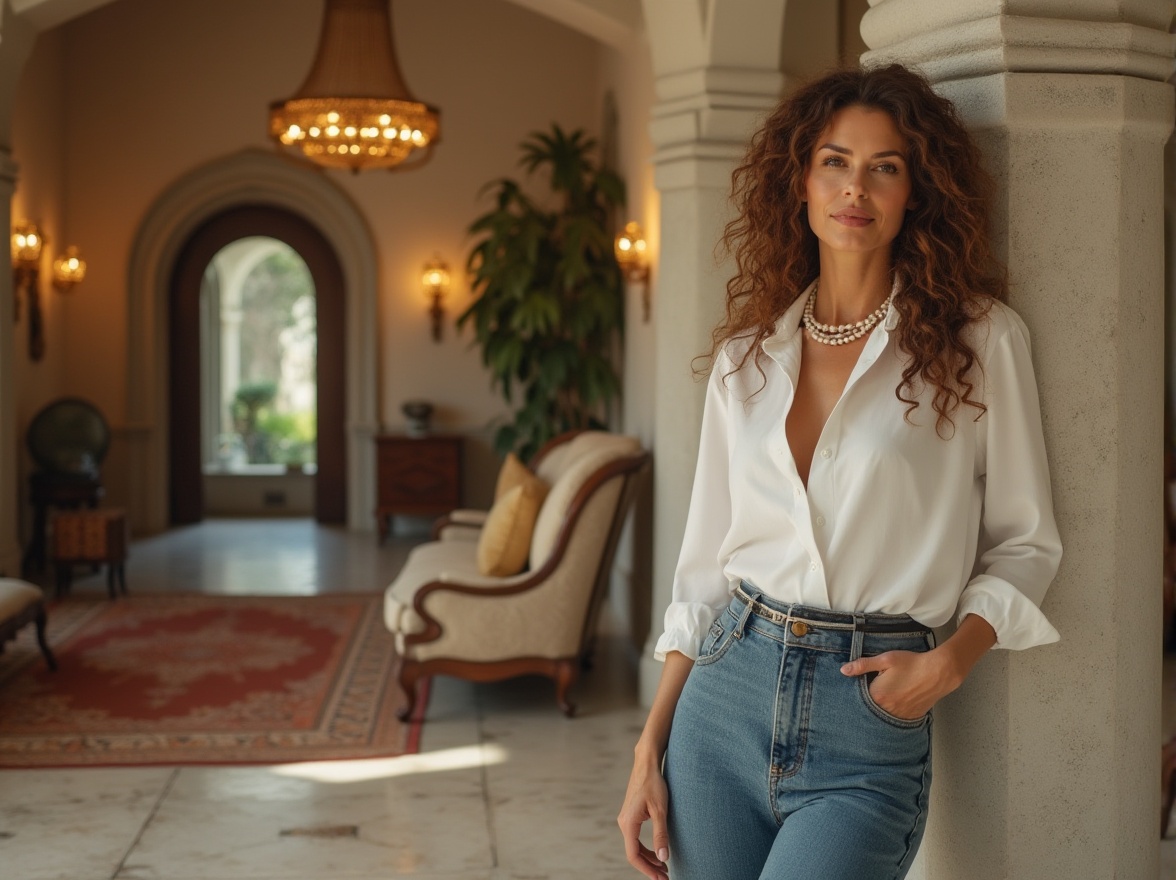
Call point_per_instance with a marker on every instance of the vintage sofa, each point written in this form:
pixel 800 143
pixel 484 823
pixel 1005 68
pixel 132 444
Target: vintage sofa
pixel 450 619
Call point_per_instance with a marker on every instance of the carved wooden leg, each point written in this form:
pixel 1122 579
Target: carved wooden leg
pixel 50 660
pixel 409 674
pixel 566 673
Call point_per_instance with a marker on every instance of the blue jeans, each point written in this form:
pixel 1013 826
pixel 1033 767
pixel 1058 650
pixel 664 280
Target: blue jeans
pixel 779 767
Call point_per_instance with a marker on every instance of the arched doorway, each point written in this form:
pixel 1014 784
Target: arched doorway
pixel 251 177
pixel 186 495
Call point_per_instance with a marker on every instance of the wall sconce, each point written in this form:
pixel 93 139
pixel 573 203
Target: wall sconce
pixel 629 248
pixel 27 243
pixel 435 281
pixel 68 269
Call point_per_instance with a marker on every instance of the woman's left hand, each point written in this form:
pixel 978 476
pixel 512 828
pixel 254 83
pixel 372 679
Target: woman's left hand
pixel 908 684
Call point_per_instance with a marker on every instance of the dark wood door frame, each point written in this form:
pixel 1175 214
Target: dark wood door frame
pixel 186 499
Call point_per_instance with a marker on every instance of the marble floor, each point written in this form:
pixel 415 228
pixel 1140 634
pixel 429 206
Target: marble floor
pixel 504 787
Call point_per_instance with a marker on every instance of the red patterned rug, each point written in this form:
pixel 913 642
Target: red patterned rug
pixel 205 680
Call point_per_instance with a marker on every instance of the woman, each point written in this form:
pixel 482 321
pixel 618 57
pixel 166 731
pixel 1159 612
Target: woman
pixel 871 465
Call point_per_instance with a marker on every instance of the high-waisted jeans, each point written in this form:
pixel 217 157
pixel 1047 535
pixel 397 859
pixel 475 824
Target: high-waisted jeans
pixel 780 767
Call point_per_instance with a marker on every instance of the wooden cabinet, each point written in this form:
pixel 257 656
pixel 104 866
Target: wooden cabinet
pixel 416 476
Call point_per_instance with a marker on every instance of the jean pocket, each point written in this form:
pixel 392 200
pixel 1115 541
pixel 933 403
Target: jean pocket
pixel 716 643
pixel 882 714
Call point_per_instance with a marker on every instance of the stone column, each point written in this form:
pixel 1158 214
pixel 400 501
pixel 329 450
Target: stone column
pixel 715 75
pixel 1046 761
pixel 9 430
pixel 700 130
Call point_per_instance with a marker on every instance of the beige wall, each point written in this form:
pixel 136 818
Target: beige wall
pixel 628 75
pixel 627 72
pixel 39 149
pixel 153 90
pixel 811 39
pixel 852 45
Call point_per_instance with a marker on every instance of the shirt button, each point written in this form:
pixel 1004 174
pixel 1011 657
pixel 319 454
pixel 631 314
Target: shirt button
pixel 796 491
pixel 813 567
pixel 820 520
pixel 826 452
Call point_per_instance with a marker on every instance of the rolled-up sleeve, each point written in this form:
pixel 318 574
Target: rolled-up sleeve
pixel 701 589
pixel 1020 547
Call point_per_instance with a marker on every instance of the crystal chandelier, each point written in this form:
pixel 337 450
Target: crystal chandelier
pixel 354 110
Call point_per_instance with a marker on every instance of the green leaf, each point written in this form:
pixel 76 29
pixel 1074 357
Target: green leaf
pixel 548 306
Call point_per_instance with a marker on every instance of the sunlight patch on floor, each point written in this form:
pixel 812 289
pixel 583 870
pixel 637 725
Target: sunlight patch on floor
pixel 460 758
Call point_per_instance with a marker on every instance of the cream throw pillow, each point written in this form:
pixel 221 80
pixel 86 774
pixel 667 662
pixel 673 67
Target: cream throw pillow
pixel 512 473
pixel 505 541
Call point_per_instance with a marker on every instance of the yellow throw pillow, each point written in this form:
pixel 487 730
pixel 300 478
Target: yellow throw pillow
pixel 512 473
pixel 505 541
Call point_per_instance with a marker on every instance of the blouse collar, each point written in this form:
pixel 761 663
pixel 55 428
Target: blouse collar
pixel 788 325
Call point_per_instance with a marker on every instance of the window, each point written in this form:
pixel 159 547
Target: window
pixel 258 351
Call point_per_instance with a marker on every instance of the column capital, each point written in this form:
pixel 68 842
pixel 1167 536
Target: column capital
pixel 702 122
pixel 1061 102
pixel 958 40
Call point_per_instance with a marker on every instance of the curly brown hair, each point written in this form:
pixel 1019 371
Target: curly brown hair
pixel 943 255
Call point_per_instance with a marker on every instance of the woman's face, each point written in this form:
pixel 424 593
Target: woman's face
pixel 857 185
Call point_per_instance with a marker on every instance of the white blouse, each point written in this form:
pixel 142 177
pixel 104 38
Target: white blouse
pixel 895 519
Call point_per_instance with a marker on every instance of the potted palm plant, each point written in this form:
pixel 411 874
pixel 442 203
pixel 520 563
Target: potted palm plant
pixel 549 309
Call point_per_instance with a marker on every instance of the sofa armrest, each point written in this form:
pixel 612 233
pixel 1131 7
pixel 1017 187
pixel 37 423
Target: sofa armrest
pixel 480 584
pixel 464 523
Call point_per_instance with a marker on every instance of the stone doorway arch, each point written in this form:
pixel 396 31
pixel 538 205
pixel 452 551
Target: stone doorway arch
pixel 255 178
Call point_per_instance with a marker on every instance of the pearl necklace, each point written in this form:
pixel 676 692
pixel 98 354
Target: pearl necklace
pixel 841 334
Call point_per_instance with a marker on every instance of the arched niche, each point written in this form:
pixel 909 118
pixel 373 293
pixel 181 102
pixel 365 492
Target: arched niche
pixel 251 177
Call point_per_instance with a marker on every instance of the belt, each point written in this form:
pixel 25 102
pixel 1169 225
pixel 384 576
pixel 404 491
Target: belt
pixel 801 625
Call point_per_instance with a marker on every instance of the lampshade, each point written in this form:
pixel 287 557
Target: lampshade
pixel 354 110
pixel 27 242
pixel 68 269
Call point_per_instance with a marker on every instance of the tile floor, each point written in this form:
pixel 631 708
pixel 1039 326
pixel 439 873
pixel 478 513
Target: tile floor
pixel 504 787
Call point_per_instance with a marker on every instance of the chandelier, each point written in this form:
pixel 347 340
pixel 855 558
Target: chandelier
pixel 354 110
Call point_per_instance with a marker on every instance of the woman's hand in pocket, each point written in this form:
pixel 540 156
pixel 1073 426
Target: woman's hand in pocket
pixel 908 683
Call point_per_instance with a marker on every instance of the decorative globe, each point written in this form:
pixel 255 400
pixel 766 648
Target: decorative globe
pixel 69 437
